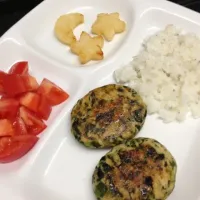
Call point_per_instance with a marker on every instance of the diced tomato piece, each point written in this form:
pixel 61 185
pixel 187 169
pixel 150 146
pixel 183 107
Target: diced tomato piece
pixel 14 84
pixel 13 148
pixel 33 123
pixel 5 97
pixel 1 89
pixel 30 83
pixel 8 108
pixel 30 100
pixel 19 68
pixel 2 74
pixel 20 127
pixel 6 128
pixel 17 97
pixel 44 108
pixel 37 103
pixel 52 92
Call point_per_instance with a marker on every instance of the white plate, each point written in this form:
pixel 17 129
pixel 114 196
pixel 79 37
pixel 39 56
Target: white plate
pixel 59 167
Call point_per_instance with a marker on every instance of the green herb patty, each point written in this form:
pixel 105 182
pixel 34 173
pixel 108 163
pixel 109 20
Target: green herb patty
pixel 140 169
pixel 108 116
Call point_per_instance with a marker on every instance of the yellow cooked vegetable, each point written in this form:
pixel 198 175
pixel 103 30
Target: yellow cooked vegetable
pixel 108 25
pixel 65 25
pixel 88 48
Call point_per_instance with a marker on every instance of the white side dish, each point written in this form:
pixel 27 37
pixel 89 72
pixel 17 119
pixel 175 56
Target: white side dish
pixel 166 74
pixel 58 167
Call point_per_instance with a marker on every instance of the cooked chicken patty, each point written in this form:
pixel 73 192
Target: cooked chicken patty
pixel 140 169
pixel 108 116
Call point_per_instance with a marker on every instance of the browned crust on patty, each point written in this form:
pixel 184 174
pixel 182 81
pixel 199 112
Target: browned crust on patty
pixel 107 116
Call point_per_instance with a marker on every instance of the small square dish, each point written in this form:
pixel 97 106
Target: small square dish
pixel 41 35
pixel 14 52
pixel 59 167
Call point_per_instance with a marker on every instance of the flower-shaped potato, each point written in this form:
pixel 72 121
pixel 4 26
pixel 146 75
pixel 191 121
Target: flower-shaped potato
pixel 65 25
pixel 108 25
pixel 88 48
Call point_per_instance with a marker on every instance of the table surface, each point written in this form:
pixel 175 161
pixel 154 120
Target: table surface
pixel 13 10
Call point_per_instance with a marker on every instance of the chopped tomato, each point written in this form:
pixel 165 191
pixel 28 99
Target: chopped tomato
pixel 5 97
pixel 19 68
pixel 34 124
pixel 20 127
pixel 8 108
pixel 30 100
pixel 1 89
pixel 13 148
pixel 44 108
pixel 2 74
pixel 30 83
pixel 14 84
pixel 37 103
pixel 17 97
pixel 6 128
pixel 52 92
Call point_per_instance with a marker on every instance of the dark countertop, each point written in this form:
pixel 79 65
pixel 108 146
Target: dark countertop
pixel 13 10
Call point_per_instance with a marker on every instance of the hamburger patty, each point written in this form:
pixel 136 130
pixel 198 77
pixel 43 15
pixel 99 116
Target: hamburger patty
pixel 108 116
pixel 140 169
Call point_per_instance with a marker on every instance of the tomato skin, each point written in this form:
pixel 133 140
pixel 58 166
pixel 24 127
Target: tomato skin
pixel 8 108
pixel 6 128
pixel 19 68
pixel 13 148
pixel 44 108
pixel 2 74
pixel 1 89
pixel 52 92
pixel 5 97
pixel 30 100
pixel 33 123
pixel 15 84
pixel 19 126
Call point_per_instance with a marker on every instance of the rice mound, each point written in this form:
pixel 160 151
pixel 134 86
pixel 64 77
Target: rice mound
pixel 166 73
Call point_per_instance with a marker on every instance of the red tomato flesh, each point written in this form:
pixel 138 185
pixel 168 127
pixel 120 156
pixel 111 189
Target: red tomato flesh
pixel 34 124
pixel 6 128
pixel 13 148
pixel 30 100
pixel 30 83
pixel 44 108
pixel 5 97
pixel 15 84
pixel 19 68
pixel 52 92
pixel 36 103
pixel 20 127
pixel 2 74
pixel 8 108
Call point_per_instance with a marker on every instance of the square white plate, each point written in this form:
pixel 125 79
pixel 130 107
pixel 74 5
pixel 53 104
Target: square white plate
pixel 59 167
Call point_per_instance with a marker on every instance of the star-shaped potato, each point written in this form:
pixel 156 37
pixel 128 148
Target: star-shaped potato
pixel 65 25
pixel 88 48
pixel 108 25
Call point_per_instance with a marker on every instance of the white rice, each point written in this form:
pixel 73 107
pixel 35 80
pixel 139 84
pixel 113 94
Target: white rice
pixel 166 73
